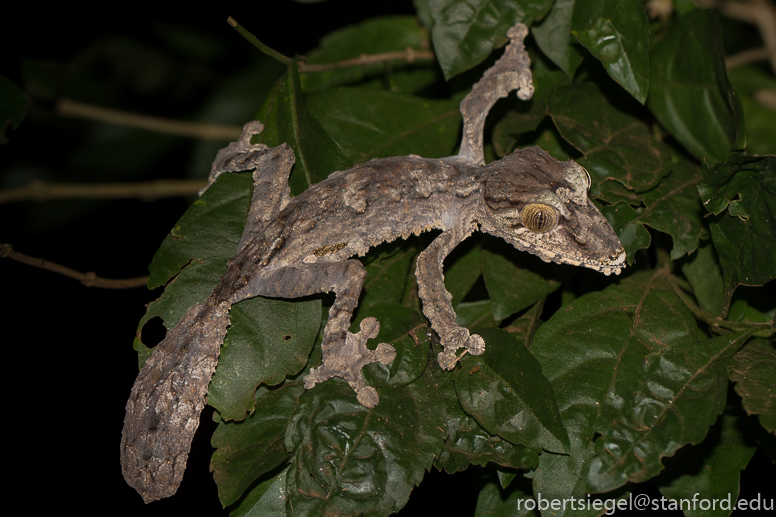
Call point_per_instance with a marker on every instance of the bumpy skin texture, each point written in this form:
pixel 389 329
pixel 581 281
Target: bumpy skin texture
pixel 293 247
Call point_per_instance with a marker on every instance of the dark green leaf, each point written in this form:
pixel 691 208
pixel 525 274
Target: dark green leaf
pixel 13 106
pixel 397 325
pixel 674 208
pixel 267 499
pixel 616 32
pixel 475 314
pixel 513 288
pixel 465 268
pixel 248 449
pixel 624 221
pixel 645 368
pixel 286 119
pixel 468 443
pixel 745 236
pixel 267 340
pixel 710 471
pixel 526 116
pixel 209 230
pixel 494 501
pixel 553 35
pixel 196 252
pixel 386 278
pixel 350 460
pixel 616 145
pixel 690 94
pixel 705 277
pixel 505 391
pixel 464 33
pixel 374 36
pixel 754 371
pixel 375 124
pixel 754 85
pixel 669 399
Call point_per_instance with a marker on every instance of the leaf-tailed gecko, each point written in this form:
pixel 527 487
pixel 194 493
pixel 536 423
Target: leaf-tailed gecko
pixel 294 247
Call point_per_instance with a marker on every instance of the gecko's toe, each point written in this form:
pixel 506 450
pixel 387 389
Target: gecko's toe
pixel 367 397
pixel 385 353
pixel 475 345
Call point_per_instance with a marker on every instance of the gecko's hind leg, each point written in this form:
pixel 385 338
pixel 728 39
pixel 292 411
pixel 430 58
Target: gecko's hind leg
pixel 344 353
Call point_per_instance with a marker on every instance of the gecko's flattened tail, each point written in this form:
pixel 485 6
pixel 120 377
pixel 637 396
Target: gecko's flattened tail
pixel 166 401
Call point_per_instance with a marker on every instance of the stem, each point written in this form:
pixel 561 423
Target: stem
pixel 149 190
pixel 89 279
pixel 274 54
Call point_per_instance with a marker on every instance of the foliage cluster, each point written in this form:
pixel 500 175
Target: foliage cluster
pixel 588 383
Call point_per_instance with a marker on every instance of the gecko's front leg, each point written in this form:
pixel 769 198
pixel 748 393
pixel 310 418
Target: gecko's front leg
pixel 436 299
pixel 344 353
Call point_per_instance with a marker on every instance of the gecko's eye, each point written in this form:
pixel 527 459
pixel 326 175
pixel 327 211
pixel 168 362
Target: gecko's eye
pixel 539 218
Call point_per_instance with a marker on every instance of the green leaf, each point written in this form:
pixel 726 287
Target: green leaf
pixel 376 124
pixel 386 279
pixel 350 460
pixel 674 208
pixel 267 341
pixel 652 382
pixel 690 94
pixel 616 145
pixel 396 326
pixel 468 443
pixel 511 287
pixel 703 273
pixel 754 371
pixel 624 220
pixel 373 36
pixel 267 499
pixel 526 116
pixel 209 230
pixel 13 106
pixel 616 32
pixel 505 391
pixel 248 449
pixel 464 33
pixel 515 501
pixel 465 268
pixel 286 119
pixel 745 236
pixel 711 470
pixel 553 36
pixel 196 252
pixel 669 399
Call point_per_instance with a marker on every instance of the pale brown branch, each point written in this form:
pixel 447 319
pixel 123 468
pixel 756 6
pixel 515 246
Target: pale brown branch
pixel 747 56
pixel 89 279
pixel 410 55
pixel 203 131
pixel 147 190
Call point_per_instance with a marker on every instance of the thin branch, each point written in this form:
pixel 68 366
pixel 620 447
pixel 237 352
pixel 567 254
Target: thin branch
pixel 715 322
pixel 747 56
pixel 148 190
pixel 274 54
pixel 760 13
pixel 89 279
pixel 410 55
pixel 69 107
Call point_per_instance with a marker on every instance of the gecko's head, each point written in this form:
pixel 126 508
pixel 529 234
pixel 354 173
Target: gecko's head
pixel 540 205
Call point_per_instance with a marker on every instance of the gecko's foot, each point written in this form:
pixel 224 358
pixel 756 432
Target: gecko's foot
pixel 473 344
pixel 346 360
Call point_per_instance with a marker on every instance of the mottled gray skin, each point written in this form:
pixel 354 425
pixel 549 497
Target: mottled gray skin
pixel 294 247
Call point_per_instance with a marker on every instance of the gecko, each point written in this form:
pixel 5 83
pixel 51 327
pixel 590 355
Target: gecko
pixel 303 245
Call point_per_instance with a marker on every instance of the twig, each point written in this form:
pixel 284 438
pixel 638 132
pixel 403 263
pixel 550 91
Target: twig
pixel 715 322
pixel 89 279
pixel 148 190
pixel 760 13
pixel 746 56
pixel 274 54
pixel 410 55
pixel 69 107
